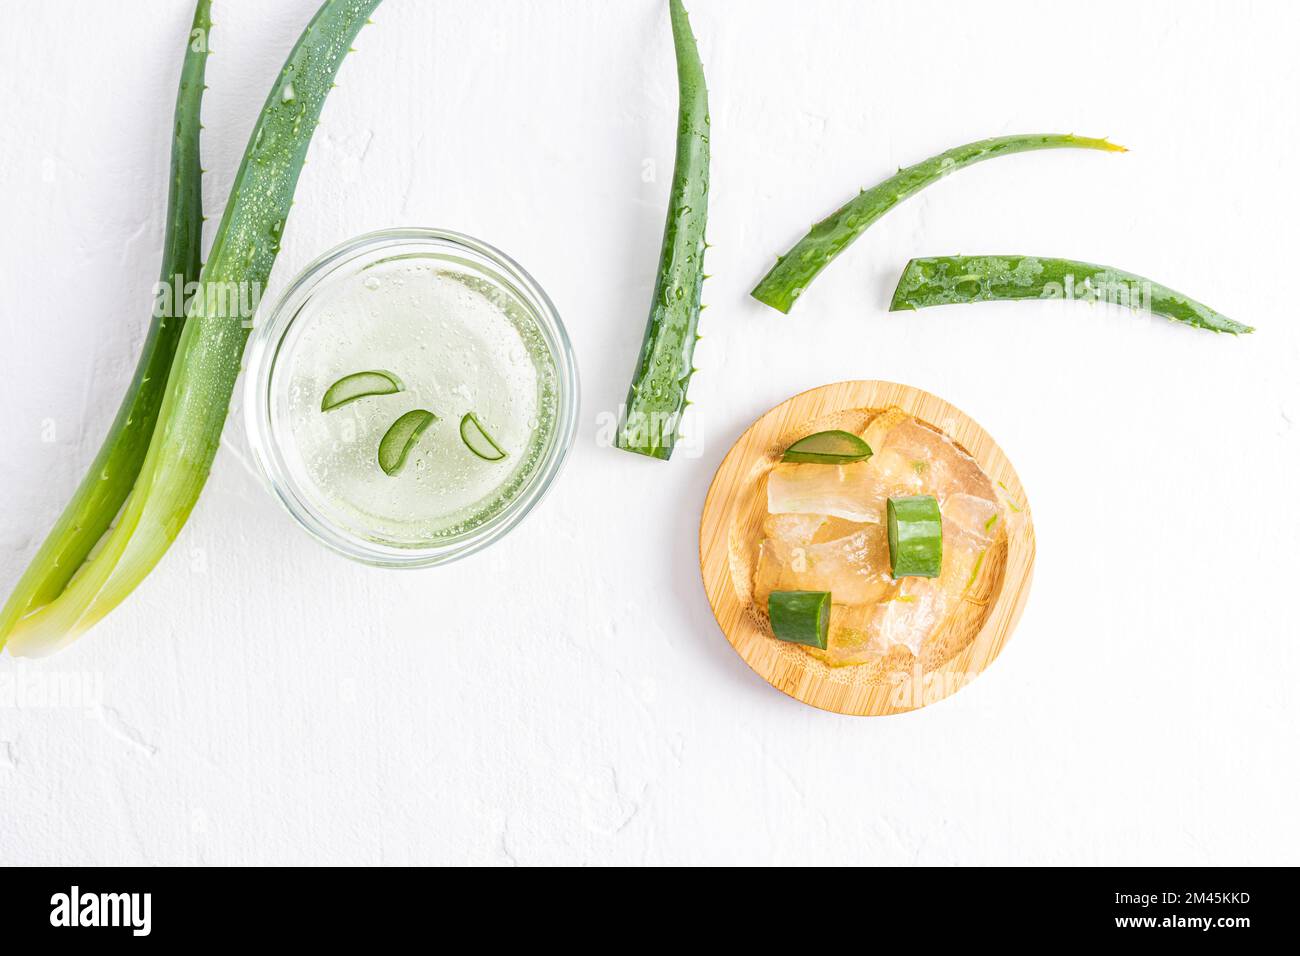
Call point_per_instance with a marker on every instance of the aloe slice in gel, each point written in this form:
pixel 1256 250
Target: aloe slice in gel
pixel 401 438
pixel 828 448
pixel 477 440
pixel 360 385
pixel 915 536
pixel 800 617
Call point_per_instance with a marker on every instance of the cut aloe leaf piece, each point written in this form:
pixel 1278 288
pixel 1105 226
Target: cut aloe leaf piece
pixel 796 270
pixel 828 448
pixel 800 617
pixel 401 438
pixel 915 536
pixel 360 385
pixel 944 280
pixel 477 440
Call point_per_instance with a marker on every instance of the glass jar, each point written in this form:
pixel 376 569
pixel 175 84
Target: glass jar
pixel 461 329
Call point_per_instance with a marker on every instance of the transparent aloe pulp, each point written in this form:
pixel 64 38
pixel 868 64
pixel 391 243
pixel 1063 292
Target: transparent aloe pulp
pixel 460 340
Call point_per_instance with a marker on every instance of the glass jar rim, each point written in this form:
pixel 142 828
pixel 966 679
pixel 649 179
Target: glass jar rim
pixel 267 338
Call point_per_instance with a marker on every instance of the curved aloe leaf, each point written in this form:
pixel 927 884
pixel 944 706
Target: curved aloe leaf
pixel 953 279
pixel 207 361
pixel 834 447
pixel 359 385
pixel 663 373
pixel 99 498
pixel 477 439
pixel 401 438
pixel 793 272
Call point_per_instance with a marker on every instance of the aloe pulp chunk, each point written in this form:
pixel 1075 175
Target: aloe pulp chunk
pixel 833 447
pixel 477 440
pixel 359 385
pixel 800 617
pixel 401 438
pixel 915 536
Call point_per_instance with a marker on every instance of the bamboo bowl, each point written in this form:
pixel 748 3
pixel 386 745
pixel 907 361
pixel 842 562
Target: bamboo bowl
pixel 731 527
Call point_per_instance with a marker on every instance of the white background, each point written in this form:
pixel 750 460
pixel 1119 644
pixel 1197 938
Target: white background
pixel 566 697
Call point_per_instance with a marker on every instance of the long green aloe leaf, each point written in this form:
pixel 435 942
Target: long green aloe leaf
pixel 112 474
pixel 952 279
pixel 795 270
pixel 207 361
pixel 657 398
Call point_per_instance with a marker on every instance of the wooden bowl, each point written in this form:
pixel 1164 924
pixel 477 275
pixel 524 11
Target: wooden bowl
pixel 731 527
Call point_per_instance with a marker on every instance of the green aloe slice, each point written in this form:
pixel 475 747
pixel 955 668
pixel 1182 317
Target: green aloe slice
pixel 360 385
pixel 832 447
pixel 477 440
pixel 800 617
pixel 915 536
pixel 401 438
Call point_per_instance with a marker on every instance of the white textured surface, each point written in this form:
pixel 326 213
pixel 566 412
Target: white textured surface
pixel 566 696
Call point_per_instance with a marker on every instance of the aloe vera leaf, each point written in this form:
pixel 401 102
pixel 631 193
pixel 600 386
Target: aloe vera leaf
pixel 834 447
pixel 915 530
pixel 477 439
pixel 359 385
pixel 800 617
pixel 952 279
pixel 657 397
pixel 207 361
pixel 99 497
pixel 401 438
pixel 795 270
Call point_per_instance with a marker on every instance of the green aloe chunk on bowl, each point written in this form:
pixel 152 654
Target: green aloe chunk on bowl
pixel 401 437
pixel 477 439
pixel 828 448
pixel 360 385
pixel 915 536
pixel 800 617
